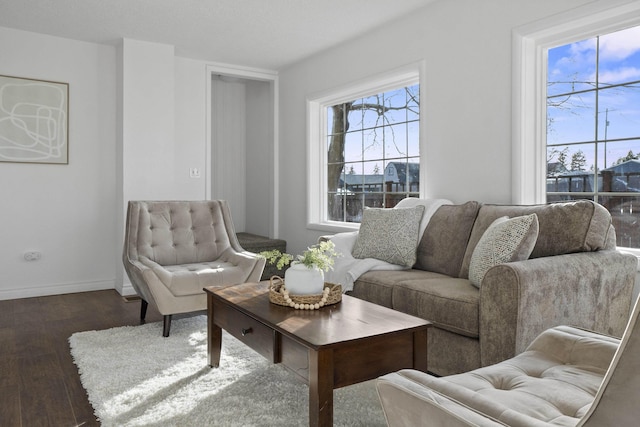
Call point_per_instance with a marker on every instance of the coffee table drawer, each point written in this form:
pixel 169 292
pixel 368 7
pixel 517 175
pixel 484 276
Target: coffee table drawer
pixel 247 329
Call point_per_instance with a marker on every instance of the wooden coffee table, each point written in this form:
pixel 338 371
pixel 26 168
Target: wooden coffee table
pixel 329 348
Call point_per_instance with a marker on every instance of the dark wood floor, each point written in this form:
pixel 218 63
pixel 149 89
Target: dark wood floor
pixel 39 383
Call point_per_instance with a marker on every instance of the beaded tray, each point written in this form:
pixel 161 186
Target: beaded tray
pixel 278 294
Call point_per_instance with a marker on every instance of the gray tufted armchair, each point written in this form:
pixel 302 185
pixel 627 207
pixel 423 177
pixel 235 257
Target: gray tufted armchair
pixel 173 249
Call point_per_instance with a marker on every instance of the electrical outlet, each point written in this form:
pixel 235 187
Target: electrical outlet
pixel 32 255
pixel 194 173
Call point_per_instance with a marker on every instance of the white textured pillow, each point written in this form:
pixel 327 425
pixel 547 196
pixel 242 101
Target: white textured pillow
pixel 389 235
pixel 505 240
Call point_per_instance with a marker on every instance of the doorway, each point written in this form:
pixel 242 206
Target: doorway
pixel 242 161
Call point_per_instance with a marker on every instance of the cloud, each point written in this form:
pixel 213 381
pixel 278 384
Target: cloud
pixel 620 45
pixel 620 75
pixel 583 47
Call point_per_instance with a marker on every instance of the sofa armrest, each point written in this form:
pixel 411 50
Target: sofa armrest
pixel 519 300
pixel 250 262
pixel 135 271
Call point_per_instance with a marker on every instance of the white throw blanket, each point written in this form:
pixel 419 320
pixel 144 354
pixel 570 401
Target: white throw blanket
pixel 347 269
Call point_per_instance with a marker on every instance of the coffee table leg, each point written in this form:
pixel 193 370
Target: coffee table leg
pixel 214 336
pixel 320 388
pixel 420 350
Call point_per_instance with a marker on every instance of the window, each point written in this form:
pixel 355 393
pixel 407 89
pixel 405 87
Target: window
pixel 538 158
pixel 593 126
pixel 373 153
pixel 364 149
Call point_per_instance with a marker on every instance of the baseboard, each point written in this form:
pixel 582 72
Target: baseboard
pixel 126 290
pixel 56 289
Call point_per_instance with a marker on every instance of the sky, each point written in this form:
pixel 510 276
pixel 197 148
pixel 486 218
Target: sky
pixel 572 118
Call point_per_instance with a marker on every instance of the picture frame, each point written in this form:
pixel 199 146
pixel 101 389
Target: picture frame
pixel 34 121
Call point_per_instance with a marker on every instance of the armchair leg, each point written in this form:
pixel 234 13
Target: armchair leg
pixel 167 325
pixel 143 310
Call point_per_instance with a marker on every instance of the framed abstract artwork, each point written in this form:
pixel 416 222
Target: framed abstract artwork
pixel 34 121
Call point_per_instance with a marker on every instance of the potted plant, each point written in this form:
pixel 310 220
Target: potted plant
pixel 305 276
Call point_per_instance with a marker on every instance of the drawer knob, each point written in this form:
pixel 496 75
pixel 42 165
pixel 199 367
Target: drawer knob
pixel 246 331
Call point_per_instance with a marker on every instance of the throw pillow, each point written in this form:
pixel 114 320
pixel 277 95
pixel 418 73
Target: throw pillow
pixel 389 235
pixel 506 240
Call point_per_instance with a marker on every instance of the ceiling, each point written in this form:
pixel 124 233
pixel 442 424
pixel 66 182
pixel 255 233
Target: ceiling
pixel 270 34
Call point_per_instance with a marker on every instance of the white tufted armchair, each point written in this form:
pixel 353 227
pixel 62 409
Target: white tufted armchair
pixel 566 377
pixel 173 249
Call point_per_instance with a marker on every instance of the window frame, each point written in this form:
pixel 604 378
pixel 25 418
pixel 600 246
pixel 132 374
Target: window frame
pixel 316 140
pixel 530 44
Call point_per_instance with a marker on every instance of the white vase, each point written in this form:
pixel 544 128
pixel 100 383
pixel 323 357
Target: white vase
pixel 300 280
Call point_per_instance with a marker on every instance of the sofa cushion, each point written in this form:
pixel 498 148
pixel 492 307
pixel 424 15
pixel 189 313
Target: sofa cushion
pixel 505 240
pixel 389 235
pixel 377 286
pixel 566 227
pixel 430 207
pixel 445 239
pixel 449 303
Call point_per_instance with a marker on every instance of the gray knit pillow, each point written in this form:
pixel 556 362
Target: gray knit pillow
pixel 506 240
pixel 389 235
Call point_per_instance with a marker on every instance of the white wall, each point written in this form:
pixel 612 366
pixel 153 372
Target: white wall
pixel 467 48
pixel 64 211
pixel 137 125
pixel 161 134
pixel 190 127
pixel 148 135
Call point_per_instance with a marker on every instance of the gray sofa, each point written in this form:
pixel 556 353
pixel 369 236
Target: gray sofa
pixel 574 276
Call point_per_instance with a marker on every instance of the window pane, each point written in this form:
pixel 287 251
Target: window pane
pixel 374 200
pixel 395 103
pixel 571 67
pixel 329 121
pixel 371 116
pixel 335 211
pixel 413 138
pixel 413 102
pixel 355 117
pixel 393 199
pixel 335 145
pixel 354 207
pixel 353 146
pixel 570 158
pixel 619 59
pixel 373 144
pixel 395 141
pixel 620 151
pixel 374 168
pixel 571 118
pixel 337 123
pixel 353 168
pixel 619 112
pixel 625 215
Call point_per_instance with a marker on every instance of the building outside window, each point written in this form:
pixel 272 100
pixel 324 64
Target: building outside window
pixel 593 126
pixel 373 152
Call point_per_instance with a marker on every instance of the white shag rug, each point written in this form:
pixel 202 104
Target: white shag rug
pixel 135 377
